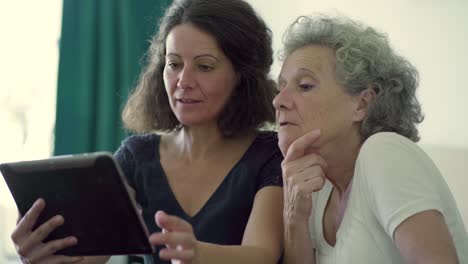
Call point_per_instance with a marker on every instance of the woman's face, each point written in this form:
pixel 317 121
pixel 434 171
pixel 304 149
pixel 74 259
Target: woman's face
pixel 198 77
pixel 310 99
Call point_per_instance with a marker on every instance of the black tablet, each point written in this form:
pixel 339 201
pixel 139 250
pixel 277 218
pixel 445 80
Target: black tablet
pixel 90 192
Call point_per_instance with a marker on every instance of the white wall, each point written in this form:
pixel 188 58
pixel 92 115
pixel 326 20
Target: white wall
pixel 433 35
pixel 452 164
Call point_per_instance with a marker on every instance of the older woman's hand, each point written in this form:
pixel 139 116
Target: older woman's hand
pixel 29 243
pixel 303 173
pixel 178 237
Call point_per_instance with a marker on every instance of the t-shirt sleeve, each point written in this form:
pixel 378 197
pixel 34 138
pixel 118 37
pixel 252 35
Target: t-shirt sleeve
pixel 399 178
pixel 270 174
pixel 126 161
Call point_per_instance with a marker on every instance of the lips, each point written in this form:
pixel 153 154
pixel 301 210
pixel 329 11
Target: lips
pixel 187 101
pixel 285 123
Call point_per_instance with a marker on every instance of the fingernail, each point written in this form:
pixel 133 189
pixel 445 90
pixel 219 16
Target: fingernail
pixel 59 219
pixel 38 202
pixel 160 212
pixel 158 217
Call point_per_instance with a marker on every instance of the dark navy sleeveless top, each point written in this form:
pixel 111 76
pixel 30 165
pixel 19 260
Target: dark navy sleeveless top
pixel 222 220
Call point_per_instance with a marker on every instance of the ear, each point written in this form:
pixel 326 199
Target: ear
pixel 364 101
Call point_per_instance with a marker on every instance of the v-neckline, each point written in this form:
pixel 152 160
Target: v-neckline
pixel 218 189
pixel 344 220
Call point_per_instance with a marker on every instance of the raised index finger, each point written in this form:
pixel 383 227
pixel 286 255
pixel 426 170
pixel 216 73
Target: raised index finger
pixel 172 223
pixel 300 145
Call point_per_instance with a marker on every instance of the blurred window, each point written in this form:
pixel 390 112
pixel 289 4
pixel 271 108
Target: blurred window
pixel 28 69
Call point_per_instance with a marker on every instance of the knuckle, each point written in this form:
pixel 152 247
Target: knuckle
pixel 290 182
pixel 318 184
pixel 292 147
pixel 21 251
pixel 322 182
pixel 45 229
pixel 315 159
pixel 288 171
pixel 285 170
pixel 317 172
pixel 41 231
pixel 296 189
pixel 54 247
pixel 14 237
pixel 302 189
pixel 283 163
pixel 323 163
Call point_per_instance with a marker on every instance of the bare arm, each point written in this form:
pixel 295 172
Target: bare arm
pixel 425 238
pixel 303 174
pixel 262 241
pixel 298 246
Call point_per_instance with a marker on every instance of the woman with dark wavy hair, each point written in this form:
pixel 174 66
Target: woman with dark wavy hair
pixel 357 188
pixel 209 182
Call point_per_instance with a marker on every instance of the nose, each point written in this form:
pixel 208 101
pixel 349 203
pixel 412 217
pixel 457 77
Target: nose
pixel 186 78
pixel 283 100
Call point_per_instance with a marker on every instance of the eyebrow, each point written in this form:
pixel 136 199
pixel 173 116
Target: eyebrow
pixel 206 55
pixel 300 71
pixel 172 54
pixel 196 57
pixel 305 70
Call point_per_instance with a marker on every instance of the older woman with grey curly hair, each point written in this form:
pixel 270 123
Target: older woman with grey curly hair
pixel 357 189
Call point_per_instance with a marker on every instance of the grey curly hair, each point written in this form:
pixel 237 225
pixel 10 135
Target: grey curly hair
pixel 364 58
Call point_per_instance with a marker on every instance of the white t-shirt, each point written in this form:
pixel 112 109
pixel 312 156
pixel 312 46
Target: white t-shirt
pixel 393 180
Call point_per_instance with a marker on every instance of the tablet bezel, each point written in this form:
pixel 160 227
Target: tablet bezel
pixel 16 176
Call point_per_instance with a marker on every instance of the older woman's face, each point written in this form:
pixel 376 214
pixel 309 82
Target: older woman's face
pixel 310 98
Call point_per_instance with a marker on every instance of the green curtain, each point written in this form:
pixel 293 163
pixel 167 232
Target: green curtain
pixel 101 53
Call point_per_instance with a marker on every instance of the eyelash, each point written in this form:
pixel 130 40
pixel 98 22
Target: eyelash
pixel 205 68
pixel 175 65
pixel 172 65
pixel 306 86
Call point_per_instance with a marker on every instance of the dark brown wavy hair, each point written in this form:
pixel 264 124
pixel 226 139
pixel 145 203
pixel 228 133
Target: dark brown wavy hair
pixel 243 37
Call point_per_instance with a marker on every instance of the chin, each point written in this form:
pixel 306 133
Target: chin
pixel 284 143
pixel 189 120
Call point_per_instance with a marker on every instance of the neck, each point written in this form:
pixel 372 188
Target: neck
pixel 198 142
pixel 341 163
